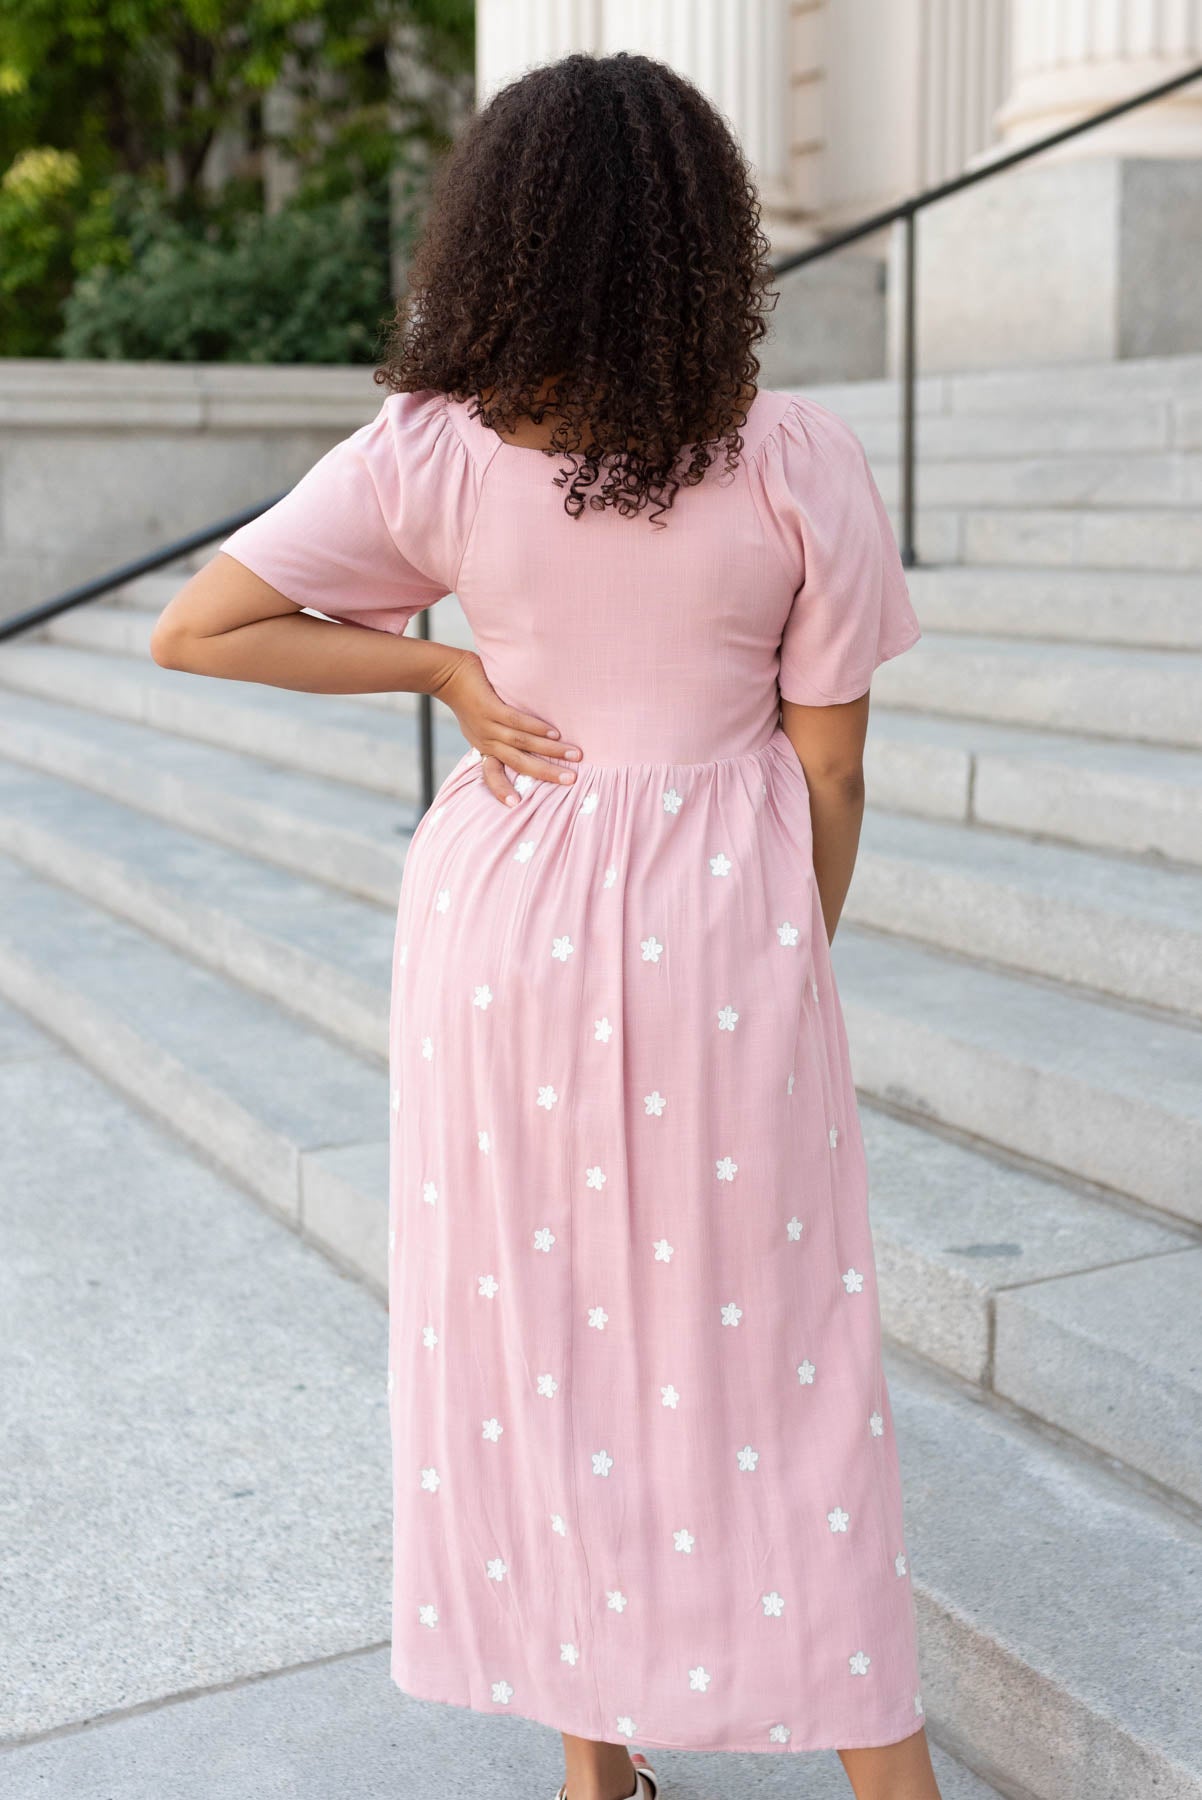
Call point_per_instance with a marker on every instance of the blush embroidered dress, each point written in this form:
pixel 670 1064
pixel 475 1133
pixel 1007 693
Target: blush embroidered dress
pixel 646 1486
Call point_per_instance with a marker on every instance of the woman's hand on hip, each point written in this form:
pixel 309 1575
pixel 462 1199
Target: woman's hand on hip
pixel 506 738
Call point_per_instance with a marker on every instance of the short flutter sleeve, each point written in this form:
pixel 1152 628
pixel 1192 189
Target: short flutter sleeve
pixel 375 530
pixel 851 610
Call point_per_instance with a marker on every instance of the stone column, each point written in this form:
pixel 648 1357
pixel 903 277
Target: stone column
pixel 1073 57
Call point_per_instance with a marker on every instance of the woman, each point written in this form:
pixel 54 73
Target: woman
pixel 645 1481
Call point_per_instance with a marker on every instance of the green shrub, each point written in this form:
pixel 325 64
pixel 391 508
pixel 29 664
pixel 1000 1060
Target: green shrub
pixel 309 284
pixel 39 198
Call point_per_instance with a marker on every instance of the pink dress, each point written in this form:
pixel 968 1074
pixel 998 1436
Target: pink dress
pixel 646 1486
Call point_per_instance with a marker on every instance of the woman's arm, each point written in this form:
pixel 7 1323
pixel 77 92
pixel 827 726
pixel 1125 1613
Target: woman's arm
pixel 228 621
pixel 829 741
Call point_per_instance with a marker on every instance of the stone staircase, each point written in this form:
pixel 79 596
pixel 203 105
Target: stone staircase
pixel 199 882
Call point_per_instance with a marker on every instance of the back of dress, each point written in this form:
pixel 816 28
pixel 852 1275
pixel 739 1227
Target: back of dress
pixel 645 1479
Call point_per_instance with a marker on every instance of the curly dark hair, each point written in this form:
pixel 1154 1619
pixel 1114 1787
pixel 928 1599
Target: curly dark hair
pixel 593 249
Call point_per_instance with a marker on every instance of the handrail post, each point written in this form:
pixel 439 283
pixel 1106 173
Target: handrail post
pixel 909 362
pixel 425 727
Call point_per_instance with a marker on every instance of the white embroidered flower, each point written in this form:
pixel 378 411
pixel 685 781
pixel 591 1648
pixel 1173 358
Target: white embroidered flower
pixel 430 1481
pixel 524 851
pixel 684 1540
pixel 837 1519
pixel 669 1396
pixel 726 1169
pixel 482 997
pixel 652 949
pixel 731 1314
pixel 626 1725
pixel 728 1018
pixel 789 1083
pixel 814 989
pixel 899 1563
pixel 428 1048
pixel 443 900
pixel 720 864
pixel 429 1337
pixel 558 1526
pixel 497 1569
pixel 598 1318
pixel 523 783
pixel 430 1193
pixel 858 1664
pixel 773 1605
pixel 672 800
pixel 748 1458
pixel 488 1285
pixel 699 1680
pixel 794 1229
pixel 589 803
pixel 547 1386
pixel 779 1734
pixel 616 1601
pixel 547 1097
pixel 654 1104
pixel 594 1178
pixel 602 1030
pixel 603 1462
pixel 663 1250
pixel 428 1615
pixel 484 1141
pixel 544 1237
pixel 502 1693
pixel 562 948
pixel 918 1703
pixel 834 1135
pixel 805 1373
pixel 473 756
pixel 853 1281
pixel 394 1100
pixel 568 1653
pixel 611 875
pixel 492 1429
pixel 876 1424
pixel 788 934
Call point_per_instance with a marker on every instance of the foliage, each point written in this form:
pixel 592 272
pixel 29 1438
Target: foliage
pixel 38 195
pixel 177 95
pixel 309 284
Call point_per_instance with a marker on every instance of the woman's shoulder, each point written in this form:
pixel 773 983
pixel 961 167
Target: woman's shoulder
pixel 801 426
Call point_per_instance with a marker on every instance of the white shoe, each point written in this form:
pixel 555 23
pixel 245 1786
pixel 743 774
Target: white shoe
pixel 646 1785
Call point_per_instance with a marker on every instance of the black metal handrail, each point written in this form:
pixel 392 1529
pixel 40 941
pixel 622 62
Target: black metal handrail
pixel 904 211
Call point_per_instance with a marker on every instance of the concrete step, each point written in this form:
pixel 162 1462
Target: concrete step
pixel 298 1120
pixel 1044 390
pixel 1117 537
pixel 1100 794
pixel 1159 481
pixel 1060 1612
pixel 321 954
pixel 1103 1092
pixel 1114 925
pixel 1130 428
pixel 320 828
pixel 1151 610
pixel 334 736
pixel 983 1266
pixel 1092 689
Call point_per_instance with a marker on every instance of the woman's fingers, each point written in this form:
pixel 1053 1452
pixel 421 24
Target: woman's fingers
pixel 496 764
